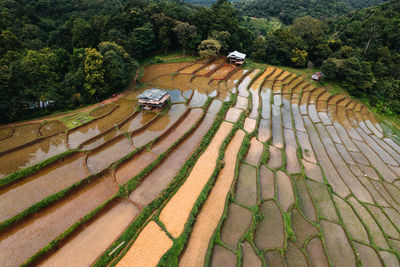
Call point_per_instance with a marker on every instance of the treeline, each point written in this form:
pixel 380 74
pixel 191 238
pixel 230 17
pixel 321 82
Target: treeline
pixel 80 52
pixel 361 51
pixel 288 10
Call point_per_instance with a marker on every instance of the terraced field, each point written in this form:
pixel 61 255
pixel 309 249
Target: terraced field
pixel 246 167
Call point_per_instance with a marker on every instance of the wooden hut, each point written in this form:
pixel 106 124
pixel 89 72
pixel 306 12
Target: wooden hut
pixel 153 98
pixel 317 76
pixel 236 57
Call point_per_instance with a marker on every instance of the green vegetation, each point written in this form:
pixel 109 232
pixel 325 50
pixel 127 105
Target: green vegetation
pixel 287 11
pixel 79 54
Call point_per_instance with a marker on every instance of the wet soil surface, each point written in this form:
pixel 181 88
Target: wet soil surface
pixel 319 184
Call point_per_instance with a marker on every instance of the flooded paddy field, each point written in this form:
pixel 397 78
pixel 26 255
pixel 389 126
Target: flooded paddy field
pixel 291 175
pixel 20 135
pixel 32 154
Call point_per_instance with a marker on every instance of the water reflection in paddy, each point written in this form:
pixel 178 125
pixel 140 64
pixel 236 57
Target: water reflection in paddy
pixel 32 154
pixel 90 130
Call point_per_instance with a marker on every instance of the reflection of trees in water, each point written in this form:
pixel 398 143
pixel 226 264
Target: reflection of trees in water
pixel 31 155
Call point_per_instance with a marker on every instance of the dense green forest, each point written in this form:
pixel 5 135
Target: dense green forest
pixel 287 10
pixel 79 52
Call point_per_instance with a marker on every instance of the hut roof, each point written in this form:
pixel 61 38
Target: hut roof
pixel 237 55
pixel 152 95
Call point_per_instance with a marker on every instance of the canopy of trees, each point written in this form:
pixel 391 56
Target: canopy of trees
pixel 79 52
pixel 288 10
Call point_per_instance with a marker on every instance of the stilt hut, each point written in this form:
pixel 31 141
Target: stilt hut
pixel 153 99
pixel 236 57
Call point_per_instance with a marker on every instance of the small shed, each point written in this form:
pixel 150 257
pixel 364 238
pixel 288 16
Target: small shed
pixel 236 57
pixel 153 98
pixel 317 76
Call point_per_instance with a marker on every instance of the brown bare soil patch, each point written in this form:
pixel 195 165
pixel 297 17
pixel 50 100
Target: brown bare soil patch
pixel 95 238
pixel 316 253
pixel 213 208
pixel 175 213
pixel 294 257
pixel 255 152
pixel 30 155
pixel 313 171
pixel 209 68
pixel 221 73
pixel 386 225
pixel 148 248
pixel 369 221
pixel 285 190
pixel 102 110
pixel 368 256
pixel 275 157
pixel 30 236
pixel 235 225
pixel 52 179
pixel 302 228
pixel 270 232
pixel 246 188
pixel 267 184
pixel 22 134
pixel 153 71
pixel 6 132
pixel 337 244
pixel 52 127
pixel 234 79
pixel 306 204
pixel 353 224
pixel 250 258
pixel 389 258
pixel 222 257
pixel 320 194
pixel 274 259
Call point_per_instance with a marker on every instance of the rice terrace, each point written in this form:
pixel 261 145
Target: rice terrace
pixel 245 167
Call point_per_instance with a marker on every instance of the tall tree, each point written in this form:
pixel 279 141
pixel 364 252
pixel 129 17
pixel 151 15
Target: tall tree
pixel 186 33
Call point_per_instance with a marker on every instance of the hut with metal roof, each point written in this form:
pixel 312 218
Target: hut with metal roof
pixel 153 98
pixel 236 57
